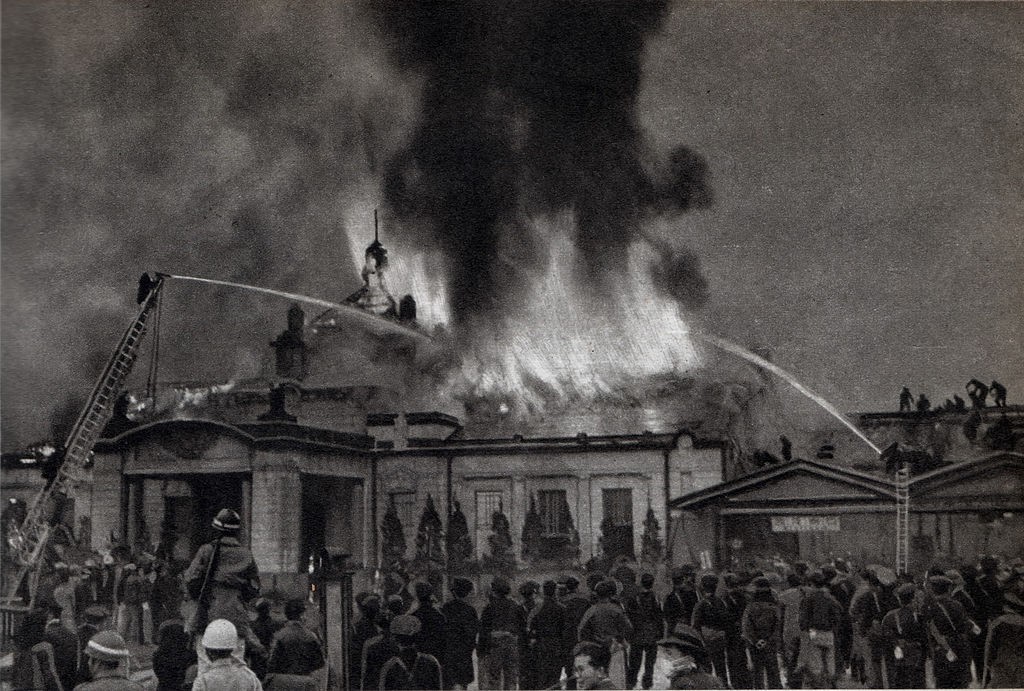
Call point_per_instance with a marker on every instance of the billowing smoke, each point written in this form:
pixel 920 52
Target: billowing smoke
pixel 529 108
pixel 203 138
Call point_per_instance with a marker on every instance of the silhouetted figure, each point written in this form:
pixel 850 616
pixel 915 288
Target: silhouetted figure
pixel 1000 435
pixel 787 448
pixel 947 406
pixel 971 426
pixel 998 394
pixel 959 403
pixel 906 400
pixel 977 392
pixel 923 404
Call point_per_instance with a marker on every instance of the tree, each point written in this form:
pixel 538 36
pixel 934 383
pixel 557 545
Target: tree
pixel 430 535
pixel 533 533
pixel 429 560
pixel 392 537
pixel 502 559
pixel 458 543
pixel 651 548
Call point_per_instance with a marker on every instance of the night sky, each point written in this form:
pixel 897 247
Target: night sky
pixel 863 166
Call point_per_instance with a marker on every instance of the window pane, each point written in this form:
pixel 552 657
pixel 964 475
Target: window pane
pixel 618 506
pixel 549 507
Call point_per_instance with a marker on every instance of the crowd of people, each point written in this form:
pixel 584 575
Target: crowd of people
pixel 977 391
pixel 797 627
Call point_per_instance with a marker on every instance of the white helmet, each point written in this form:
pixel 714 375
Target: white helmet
pixel 221 634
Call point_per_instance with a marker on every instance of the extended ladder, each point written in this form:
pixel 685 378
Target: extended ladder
pixel 29 540
pixel 902 520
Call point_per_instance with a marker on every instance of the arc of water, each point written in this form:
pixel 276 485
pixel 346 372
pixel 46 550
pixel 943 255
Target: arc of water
pixel 742 352
pixel 355 313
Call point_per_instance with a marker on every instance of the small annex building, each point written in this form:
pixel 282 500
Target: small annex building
pixel 813 511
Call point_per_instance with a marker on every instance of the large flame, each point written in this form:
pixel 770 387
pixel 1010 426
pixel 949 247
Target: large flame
pixel 564 342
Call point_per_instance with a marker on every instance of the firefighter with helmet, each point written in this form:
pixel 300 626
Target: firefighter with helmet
pixel 223 577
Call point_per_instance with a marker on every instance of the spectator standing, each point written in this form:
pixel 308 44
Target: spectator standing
pixel 735 650
pixel 687 663
pixel 65 647
pixel 129 595
pixel 173 655
pixel 294 648
pixel 648 623
pixel 364 629
pixel 590 666
pixel 1003 662
pixel 949 628
pixel 432 623
pixel 606 622
pixel 576 605
pixel 409 668
pixel 380 649
pixel 680 602
pixel 64 595
pixel 789 604
pixel 460 635
pixel 711 618
pixel 762 631
pixel 906 638
pixel 547 625
pixel 819 620
pixel 502 638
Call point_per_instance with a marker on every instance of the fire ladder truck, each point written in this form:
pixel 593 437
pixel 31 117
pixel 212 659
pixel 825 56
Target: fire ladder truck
pixel 28 542
pixel 903 520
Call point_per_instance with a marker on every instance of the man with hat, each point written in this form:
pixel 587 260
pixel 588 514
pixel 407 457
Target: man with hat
pixel 648 620
pixel 382 648
pixel 711 619
pixel 409 668
pixel 548 628
pixel 687 662
pixel 606 622
pixel 820 617
pixel 576 605
pixel 295 649
pixel 225 671
pixel 949 630
pixel 680 602
pixel 107 655
pixel 904 633
pixel 460 635
pixel 502 638
pixel 222 577
pixel 432 622
pixel 364 629
pixel 1003 662
pixel 761 627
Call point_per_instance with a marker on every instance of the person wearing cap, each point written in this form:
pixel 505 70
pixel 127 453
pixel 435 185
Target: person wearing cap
pixel 761 628
pixel 294 648
pixel 409 668
pixel 711 618
pixel 502 638
pixel 680 602
pixel 234 580
pixel 988 593
pixel 460 635
pixel 866 611
pixel 687 663
pixel 65 647
pixel 789 612
pixel 905 636
pixel 648 620
pixel 381 648
pixel 1003 660
pixel 576 605
pixel 528 664
pixel 949 631
pixel 842 589
pixel 107 655
pixel 173 656
pixel 432 622
pixel 64 594
pixel 548 632
pixel 735 599
pixel 364 628
pixel 225 671
pixel 129 608
pixel 820 617
pixel 94 616
pixel 606 622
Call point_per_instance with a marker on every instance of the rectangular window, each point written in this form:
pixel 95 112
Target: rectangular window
pixel 552 507
pixel 487 502
pixel 618 506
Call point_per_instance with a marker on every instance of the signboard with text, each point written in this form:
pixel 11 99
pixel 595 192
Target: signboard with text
pixel 805 524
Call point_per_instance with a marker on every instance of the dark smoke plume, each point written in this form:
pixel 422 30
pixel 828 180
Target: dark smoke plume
pixel 530 108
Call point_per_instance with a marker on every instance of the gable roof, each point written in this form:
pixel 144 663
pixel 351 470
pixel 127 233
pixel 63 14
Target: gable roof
pixel 759 486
